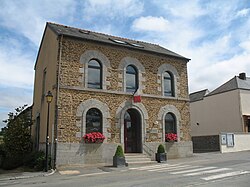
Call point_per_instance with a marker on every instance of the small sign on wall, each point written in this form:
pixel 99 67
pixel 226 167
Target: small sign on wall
pixel 227 139
pixel 230 140
pixel 223 139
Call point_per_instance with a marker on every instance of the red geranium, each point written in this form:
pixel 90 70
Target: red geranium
pixel 94 137
pixel 170 137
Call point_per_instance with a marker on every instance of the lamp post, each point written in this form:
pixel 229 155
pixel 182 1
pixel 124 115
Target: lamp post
pixel 49 98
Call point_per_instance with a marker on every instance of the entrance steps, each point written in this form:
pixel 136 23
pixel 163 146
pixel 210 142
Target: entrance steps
pixel 135 159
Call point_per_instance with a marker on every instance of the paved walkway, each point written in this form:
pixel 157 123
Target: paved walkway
pixel 14 174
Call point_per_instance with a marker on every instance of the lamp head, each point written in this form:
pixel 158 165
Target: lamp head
pixel 49 97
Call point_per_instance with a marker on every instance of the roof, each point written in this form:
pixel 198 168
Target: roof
pixel 232 84
pixel 113 40
pixel 197 96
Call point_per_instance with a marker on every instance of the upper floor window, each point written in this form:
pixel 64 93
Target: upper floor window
pixel 93 121
pixel 131 79
pixel 170 123
pixel 168 81
pixel 94 74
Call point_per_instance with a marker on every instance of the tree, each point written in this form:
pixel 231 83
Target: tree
pixel 16 135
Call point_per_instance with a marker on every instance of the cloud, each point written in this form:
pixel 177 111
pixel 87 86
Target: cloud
pixel 28 17
pixel 149 23
pixel 11 98
pixel 112 9
pixel 16 65
pixel 242 13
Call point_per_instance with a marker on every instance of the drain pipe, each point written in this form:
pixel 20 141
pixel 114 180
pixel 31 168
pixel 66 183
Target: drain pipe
pixel 57 99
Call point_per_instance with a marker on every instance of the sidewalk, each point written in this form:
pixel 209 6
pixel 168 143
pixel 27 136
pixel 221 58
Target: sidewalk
pixel 15 174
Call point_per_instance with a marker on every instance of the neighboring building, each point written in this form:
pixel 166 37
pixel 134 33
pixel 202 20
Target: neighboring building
pixel 226 109
pixel 93 78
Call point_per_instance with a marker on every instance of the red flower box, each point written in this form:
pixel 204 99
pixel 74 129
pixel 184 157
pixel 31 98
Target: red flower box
pixel 94 137
pixel 171 137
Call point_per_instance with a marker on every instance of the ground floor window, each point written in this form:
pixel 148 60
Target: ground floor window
pixel 170 127
pixel 93 120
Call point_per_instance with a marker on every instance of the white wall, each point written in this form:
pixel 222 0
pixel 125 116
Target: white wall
pixel 241 143
pixel 216 113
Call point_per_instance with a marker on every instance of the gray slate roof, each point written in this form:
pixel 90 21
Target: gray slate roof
pixel 233 84
pixel 197 96
pixel 113 40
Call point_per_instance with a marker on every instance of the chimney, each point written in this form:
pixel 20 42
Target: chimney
pixel 242 76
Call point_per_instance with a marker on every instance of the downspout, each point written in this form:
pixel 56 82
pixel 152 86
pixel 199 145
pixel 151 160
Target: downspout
pixel 57 99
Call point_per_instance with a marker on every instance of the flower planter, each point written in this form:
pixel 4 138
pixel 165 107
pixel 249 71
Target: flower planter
pixel 94 137
pixel 119 161
pixel 161 157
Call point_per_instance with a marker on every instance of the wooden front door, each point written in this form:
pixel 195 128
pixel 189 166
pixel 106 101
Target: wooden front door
pixel 132 132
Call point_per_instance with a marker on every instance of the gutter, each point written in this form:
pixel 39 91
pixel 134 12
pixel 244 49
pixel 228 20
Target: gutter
pixel 57 99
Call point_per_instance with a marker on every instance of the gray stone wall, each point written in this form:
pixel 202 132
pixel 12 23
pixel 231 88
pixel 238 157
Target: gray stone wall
pixel 85 153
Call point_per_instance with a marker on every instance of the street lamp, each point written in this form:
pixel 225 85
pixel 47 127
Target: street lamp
pixel 49 98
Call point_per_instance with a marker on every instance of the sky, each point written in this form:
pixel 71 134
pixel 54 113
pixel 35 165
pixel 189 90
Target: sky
pixel 215 35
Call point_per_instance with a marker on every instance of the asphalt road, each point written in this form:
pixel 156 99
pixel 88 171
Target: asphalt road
pixel 209 169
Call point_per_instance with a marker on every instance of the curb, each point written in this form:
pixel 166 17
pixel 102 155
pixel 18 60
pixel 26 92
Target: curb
pixel 29 176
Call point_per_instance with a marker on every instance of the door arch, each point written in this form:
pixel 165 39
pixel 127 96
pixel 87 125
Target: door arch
pixel 132 131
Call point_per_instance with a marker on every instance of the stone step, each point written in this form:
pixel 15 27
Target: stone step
pixel 135 159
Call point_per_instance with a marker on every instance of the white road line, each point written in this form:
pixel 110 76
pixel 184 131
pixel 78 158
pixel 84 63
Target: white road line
pixel 154 166
pixel 235 173
pixel 92 174
pixel 192 170
pixel 207 172
pixel 175 168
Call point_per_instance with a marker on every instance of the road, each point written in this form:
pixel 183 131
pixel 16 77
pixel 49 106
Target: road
pixel 207 169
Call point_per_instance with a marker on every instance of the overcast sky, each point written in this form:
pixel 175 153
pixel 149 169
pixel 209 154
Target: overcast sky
pixel 214 34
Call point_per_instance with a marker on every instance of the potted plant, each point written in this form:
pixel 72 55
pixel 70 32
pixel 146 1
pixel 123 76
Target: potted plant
pixel 94 137
pixel 161 155
pixel 119 158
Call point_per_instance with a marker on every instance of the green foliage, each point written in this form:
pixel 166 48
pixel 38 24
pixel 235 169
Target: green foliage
pixel 119 151
pixel 35 160
pixel 161 149
pixel 11 162
pixel 16 137
pixel 2 154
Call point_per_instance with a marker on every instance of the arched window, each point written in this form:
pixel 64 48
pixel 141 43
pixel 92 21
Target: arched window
pixel 131 79
pixel 170 123
pixel 168 84
pixel 94 74
pixel 93 121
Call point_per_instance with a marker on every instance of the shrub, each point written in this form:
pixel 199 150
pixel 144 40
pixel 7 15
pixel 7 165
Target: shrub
pixel 2 154
pixel 35 160
pixel 161 149
pixel 11 162
pixel 119 151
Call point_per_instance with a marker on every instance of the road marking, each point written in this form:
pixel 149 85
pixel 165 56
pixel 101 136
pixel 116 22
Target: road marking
pixel 192 170
pixel 154 166
pixel 209 171
pixel 175 168
pixel 219 176
pixel 69 172
pixel 92 174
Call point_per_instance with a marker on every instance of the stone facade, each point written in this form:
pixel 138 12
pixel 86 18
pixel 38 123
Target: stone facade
pixel 74 92
pixel 74 99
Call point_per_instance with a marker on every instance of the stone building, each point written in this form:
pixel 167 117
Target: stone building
pixel 131 91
